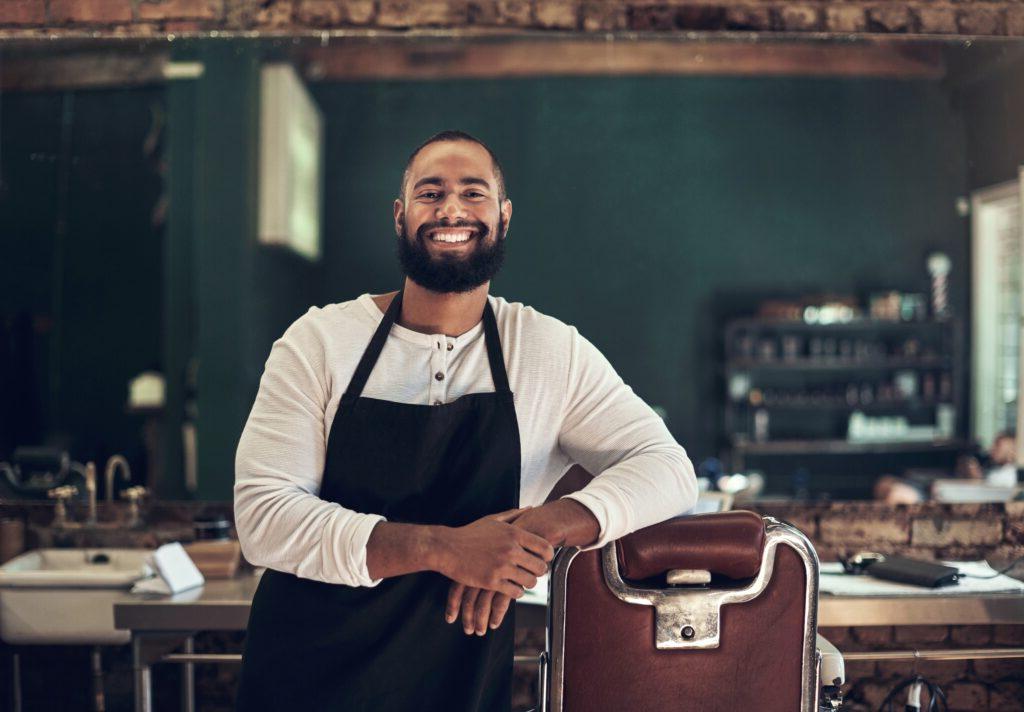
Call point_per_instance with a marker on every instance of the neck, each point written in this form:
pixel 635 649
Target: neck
pixel 450 314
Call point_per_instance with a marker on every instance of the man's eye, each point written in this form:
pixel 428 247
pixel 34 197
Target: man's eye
pixel 475 194
pixel 429 194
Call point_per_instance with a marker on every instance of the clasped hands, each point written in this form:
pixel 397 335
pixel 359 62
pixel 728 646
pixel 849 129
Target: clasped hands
pixel 501 556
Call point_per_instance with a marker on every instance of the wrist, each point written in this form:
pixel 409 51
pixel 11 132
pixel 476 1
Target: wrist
pixel 438 549
pixel 553 524
pixel 563 522
pixel 578 526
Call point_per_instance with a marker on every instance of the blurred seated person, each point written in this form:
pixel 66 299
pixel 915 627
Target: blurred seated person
pixel 897 490
pixel 998 467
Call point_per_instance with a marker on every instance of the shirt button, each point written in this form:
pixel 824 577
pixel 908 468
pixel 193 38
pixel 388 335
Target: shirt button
pixel 450 346
pixel 439 376
pixel 437 402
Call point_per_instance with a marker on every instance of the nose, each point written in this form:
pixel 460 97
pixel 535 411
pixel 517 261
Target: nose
pixel 451 207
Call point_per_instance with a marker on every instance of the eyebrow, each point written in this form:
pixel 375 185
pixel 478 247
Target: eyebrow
pixel 465 180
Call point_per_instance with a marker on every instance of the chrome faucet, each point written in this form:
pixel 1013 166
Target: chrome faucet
pixel 62 494
pixel 90 488
pixel 65 493
pixel 114 464
pixel 134 495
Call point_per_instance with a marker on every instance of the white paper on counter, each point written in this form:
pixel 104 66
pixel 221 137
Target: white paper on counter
pixel 847 585
pixel 835 582
pixel 176 572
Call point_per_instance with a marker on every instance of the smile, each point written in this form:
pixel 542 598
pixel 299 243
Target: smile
pixel 455 236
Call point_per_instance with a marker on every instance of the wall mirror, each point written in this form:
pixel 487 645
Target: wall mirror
pixel 805 253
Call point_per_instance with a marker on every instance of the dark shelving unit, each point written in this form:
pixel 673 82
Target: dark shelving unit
pixel 790 388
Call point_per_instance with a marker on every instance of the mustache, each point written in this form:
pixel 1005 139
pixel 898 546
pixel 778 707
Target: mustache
pixel 479 227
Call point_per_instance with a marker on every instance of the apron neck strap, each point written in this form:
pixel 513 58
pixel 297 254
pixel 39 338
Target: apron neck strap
pixel 373 349
pixel 380 337
pixel 494 355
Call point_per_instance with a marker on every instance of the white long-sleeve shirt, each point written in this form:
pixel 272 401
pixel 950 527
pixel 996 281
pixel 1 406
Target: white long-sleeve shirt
pixel 570 404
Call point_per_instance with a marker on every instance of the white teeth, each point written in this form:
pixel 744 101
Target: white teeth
pixel 450 236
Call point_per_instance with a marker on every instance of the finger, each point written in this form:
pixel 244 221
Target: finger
pixel 483 612
pixel 451 611
pixel 520 576
pixel 511 590
pixel 499 606
pixel 468 609
pixel 509 514
pixel 531 563
pixel 536 544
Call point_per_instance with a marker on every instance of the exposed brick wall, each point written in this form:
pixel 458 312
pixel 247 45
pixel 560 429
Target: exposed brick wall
pixel 931 531
pixel 156 17
pixel 963 531
pixel 970 686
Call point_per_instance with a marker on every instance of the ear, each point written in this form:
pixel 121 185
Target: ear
pixel 399 210
pixel 506 214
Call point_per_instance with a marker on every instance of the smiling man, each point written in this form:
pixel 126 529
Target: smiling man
pixel 386 473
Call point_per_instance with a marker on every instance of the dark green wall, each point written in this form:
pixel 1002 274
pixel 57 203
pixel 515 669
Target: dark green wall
pixel 230 297
pixel 648 210
pixel 993 107
pixel 80 266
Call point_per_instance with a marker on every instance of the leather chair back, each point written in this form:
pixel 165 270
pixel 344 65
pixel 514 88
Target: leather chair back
pixel 621 638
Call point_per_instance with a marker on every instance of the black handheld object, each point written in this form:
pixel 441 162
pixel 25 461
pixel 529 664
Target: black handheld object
pixel 913 571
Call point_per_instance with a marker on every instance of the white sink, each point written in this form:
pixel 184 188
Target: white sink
pixel 67 596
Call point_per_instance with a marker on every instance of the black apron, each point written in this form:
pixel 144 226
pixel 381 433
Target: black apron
pixel 320 646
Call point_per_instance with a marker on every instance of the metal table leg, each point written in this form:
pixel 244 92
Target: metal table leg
pixel 142 674
pixel 16 681
pixel 99 700
pixel 188 679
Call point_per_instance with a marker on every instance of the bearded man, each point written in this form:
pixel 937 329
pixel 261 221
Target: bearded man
pixel 393 472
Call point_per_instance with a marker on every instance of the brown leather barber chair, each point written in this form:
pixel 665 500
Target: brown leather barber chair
pixel 715 612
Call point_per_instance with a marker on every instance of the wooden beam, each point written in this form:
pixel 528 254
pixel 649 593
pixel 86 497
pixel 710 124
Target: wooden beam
pixel 489 58
pixel 84 70
pixel 358 60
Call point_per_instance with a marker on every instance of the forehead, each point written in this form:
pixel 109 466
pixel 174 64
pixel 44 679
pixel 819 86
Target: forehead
pixel 452 160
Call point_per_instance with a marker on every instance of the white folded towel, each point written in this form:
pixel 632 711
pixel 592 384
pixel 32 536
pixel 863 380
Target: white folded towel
pixel 175 571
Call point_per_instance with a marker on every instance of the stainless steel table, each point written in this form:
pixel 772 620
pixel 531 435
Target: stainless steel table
pixel 162 623
pixel 157 623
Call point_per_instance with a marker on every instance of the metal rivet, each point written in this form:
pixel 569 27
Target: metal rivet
pixel 688 631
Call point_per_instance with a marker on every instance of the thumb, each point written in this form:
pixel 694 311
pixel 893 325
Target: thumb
pixel 509 514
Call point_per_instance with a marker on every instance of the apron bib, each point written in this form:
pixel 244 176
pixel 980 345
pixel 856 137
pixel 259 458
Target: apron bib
pixel 319 646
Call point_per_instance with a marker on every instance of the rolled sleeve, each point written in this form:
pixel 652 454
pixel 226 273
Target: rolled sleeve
pixel 282 522
pixel 642 475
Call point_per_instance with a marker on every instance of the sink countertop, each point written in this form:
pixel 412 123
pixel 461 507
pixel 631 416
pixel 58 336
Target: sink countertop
pixel 223 604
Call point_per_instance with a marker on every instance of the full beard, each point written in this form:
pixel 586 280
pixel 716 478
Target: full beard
pixel 446 274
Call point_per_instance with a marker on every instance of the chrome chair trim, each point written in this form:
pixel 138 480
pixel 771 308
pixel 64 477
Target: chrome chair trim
pixel 676 609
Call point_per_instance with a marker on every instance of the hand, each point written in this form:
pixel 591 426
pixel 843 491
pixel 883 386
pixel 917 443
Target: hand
pixel 492 554
pixel 560 522
pixel 480 608
pixel 484 608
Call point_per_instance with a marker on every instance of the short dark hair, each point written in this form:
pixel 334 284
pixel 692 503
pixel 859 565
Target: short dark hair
pixel 455 135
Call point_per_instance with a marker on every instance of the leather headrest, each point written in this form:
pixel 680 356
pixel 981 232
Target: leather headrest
pixel 725 543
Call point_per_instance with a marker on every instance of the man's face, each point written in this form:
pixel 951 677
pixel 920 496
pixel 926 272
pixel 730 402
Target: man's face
pixel 451 226
pixel 1004 451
